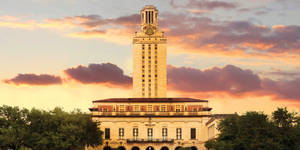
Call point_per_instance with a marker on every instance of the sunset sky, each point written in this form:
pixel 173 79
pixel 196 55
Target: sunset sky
pixel 241 55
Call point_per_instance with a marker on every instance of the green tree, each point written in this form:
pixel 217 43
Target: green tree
pixel 59 130
pixel 13 127
pixel 255 131
pixel 47 130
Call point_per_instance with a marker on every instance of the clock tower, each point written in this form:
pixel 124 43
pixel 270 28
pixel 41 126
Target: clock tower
pixel 149 57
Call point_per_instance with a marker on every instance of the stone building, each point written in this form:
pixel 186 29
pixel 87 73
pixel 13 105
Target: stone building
pixel 150 120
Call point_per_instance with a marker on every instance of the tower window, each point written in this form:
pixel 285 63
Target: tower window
pixel 149 75
pixel 155 47
pixel 178 133
pixel 164 133
pixel 193 133
pixel 121 133
pixel 143 80
pixel 143 57
pixel 135 133
pixel 143 75
pixel 149 57
pixel 150 133
pixel 107 133
pixel 156 75
pixel 149 80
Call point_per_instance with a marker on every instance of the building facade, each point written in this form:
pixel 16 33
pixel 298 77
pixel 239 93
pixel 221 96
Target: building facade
pixel 150 120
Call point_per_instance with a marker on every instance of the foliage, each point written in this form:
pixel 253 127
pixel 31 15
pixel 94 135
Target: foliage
pixel 47 130
pixel 255 131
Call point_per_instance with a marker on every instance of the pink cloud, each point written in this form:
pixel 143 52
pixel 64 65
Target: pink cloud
pixel 33 79
pixel 229 79
pixel 105 73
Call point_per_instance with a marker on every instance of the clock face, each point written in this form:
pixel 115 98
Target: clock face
pixel 149 30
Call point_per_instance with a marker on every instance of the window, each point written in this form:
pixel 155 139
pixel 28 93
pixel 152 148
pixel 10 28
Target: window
pixel 143 80
pixel 143 46
pixel 193 133
pixel 107 133
pixel 155 46
pixel 178 133
pixel 150 108
pixel 135 133
pixel 143 75
pixel 136 108
pixel 149 57
pixel 163 108
pixel 177 109
pixel 164 133
pixel 122 108
pixel 104 109
pixel 149 80
pixel 150 134
pixel 149 46
pixel 121 133
pixel 149 75
pixel 156 75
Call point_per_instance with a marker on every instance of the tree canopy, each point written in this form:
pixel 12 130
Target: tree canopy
pixel 47 130
pixel 257 131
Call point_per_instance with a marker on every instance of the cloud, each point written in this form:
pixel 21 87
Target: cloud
pixel 283 89
pixel 193 34
pixel 231 80
pixel 228 79
pixel 33 79
pixel 205 4
pixel 105 73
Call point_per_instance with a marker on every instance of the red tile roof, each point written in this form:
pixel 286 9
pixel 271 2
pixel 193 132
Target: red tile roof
pixel 148 100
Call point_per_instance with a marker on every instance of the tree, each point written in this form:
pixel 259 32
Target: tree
pixel 47 130
pixel 57 130
pixel 13 127
pixel 255 131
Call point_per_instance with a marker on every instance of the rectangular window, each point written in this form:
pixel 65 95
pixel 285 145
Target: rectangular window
pixel 121 133
pixel 135 133
pixel 136 108
pixel 122 108
pixel 164 133
pixel 163 108
pixel 177 108
pixel 107 133
pixel 178 133
pixel 150 134
pixel 150 108
pixel 193 133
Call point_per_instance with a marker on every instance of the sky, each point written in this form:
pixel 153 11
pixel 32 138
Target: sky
pixel 241 55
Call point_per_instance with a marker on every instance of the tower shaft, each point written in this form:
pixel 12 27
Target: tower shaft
pixel 149 57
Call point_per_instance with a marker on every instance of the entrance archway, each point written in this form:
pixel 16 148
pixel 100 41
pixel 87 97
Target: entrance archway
pixel 178 148
pixel 150 148
pixel 107 148
pixel 135 148
pixel 121 148
pixel 194 148
pixel 164 148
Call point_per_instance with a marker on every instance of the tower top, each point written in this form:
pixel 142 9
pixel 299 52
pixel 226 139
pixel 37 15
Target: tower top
pixel 149 7
pixel 149 19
